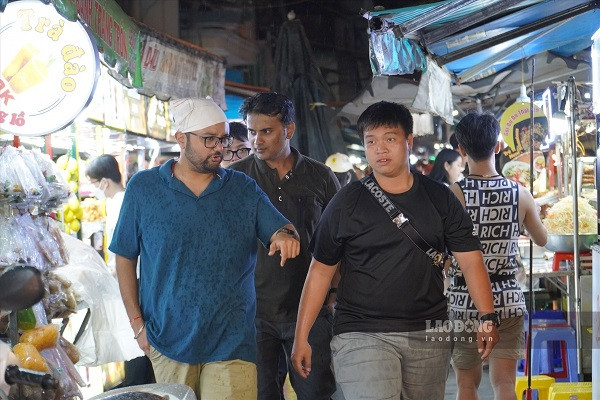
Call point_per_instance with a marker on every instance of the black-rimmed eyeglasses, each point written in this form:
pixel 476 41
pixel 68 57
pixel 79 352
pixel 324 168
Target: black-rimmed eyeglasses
pixel 210 142
pixel 240 153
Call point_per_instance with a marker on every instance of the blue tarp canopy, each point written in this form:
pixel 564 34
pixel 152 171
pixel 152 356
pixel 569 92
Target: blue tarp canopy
pixel 481 48
pixel 234 102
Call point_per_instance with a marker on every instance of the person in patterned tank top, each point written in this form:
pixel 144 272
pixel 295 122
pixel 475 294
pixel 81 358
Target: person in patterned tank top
pixel 499 209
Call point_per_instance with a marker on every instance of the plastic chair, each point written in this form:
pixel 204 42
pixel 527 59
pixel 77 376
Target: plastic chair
pixel 540 383
pixel 542 337
pixel 545 318
pixel 570 391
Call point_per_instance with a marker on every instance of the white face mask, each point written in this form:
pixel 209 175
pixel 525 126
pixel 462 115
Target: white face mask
pixel 99 192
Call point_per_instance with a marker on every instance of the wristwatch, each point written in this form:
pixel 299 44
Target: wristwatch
pixel 494 318
pixel 290 232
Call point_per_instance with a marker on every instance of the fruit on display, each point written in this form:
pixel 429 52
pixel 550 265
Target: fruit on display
pixel 72 213
pixel 70 166
pixel 93 210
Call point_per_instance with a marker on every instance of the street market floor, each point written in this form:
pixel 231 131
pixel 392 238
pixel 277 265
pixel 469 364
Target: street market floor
pixel 485 388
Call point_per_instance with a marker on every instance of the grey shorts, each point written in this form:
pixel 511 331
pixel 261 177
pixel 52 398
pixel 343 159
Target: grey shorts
pixel 407 365
pixel 511 345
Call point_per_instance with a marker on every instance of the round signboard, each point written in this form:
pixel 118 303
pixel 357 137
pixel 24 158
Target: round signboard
pixel 48 69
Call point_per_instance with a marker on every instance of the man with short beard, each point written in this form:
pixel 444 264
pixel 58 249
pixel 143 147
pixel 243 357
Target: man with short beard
pixel 193 314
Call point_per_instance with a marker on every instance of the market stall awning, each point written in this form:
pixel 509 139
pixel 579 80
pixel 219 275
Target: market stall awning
pixel 483 39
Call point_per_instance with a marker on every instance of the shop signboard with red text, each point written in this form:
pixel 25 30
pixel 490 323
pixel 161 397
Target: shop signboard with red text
pixel 118 37
pixel 169 71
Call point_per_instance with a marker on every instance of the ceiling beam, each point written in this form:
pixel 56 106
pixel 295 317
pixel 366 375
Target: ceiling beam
pixel 430 17
pixel 518 32
pixel 470 20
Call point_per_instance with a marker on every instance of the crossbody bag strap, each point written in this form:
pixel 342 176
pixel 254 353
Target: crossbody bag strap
pixel 437 257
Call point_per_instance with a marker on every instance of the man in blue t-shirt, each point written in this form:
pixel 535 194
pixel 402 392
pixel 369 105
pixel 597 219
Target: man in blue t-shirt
pixel 195 235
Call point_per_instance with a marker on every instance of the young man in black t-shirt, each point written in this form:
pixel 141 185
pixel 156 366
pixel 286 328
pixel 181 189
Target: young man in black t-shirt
pixel 390 297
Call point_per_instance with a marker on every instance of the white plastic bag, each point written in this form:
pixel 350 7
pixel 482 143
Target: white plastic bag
pixel 108 337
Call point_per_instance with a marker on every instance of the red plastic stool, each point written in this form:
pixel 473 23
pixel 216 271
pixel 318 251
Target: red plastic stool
pixel 559 256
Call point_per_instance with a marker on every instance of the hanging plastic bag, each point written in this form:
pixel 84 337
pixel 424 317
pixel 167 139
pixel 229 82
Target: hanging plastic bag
pixel 60 299
pixel 17 183
pixel 31 234
pixel 58 189
pixel 16 244
pixel 36 172
pixel 108 337
pixel 50 241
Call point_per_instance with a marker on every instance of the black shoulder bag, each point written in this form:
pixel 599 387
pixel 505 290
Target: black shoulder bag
pixel 437 257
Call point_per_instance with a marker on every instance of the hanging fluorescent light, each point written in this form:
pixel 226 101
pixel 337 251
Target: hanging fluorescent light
pixel 523 98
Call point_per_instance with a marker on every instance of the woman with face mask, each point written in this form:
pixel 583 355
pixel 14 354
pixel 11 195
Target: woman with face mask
pixel 103 172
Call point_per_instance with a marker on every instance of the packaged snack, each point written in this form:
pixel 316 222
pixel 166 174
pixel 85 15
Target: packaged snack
pixel 31 235
pixel 17 246
pixel 48 241
pixel 60 300
pixel 34 169
pixel 65 373
pixel 58 189
pixel 16 182
pixel 69 349
pixel 30 357
pixel 42 337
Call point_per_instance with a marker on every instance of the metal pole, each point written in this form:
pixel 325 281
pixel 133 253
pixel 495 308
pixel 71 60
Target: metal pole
pixel 531 298
pixel 572 91
pixel 559 152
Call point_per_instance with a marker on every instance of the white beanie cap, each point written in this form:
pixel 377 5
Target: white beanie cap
pixel 339 162
pixel 195 114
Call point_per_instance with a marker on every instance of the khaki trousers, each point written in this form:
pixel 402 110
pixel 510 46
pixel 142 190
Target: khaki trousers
pixel 220 380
